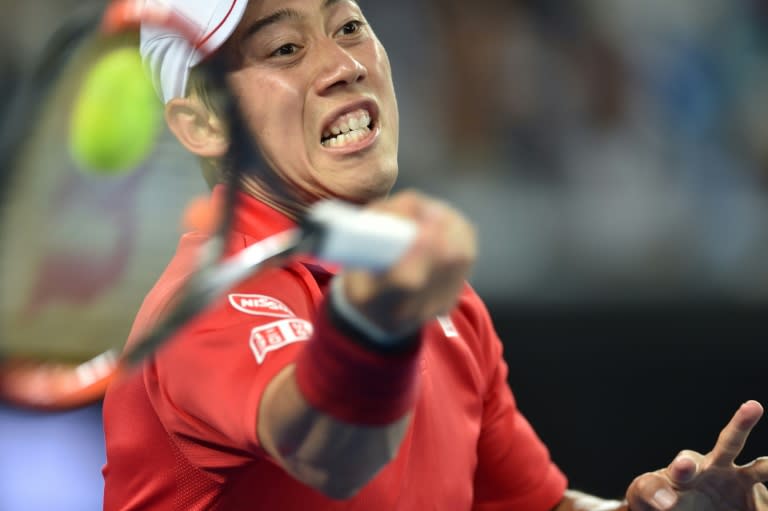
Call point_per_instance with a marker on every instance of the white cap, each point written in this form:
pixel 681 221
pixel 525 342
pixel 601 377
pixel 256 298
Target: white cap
pixel 168 55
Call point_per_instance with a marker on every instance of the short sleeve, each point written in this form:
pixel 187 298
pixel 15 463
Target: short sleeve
pixel 206 385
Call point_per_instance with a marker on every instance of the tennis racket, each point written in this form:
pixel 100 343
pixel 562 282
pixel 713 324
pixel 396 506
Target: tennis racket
pixel 80 250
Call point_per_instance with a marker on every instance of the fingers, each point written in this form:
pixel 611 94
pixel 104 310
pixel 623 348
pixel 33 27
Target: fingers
pixel 444 249
pixel 757 470
pixel 670 488
pixel 428 280
pixel 435 270
pixel 409 204
pixel 761 496
pixel 733 437
pixel 651 492
pixel 684 468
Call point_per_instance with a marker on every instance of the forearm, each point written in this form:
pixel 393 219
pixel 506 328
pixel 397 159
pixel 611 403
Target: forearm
pixel 578 501
pixel 331 456
pixel 338 414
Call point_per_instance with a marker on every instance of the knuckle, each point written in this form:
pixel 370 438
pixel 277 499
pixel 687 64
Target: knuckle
pixel 409 195
pixel 636 493
pixel 409 282
pixel 641 484
pixel 459 262
pixel 454 258
pixel 689 454
pixel 403 203
pixel 644 486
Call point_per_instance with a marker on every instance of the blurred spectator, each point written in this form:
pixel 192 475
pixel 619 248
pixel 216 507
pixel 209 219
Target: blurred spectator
pixel 621 145
pixel 604 147
pixel 9 73
pixel 475 97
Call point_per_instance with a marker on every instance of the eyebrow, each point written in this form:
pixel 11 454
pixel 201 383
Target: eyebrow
pixel 282 15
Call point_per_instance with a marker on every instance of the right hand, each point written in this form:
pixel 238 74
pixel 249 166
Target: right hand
pixel 428 280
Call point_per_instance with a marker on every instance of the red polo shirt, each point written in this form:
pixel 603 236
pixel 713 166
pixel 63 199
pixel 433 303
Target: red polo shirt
pixel 181 431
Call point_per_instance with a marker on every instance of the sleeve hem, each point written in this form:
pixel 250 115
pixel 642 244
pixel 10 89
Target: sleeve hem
pixel 544 497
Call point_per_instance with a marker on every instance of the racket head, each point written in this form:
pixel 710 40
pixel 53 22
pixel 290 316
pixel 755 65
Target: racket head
pixel 78 250
pixel 51 372
pixel 97 312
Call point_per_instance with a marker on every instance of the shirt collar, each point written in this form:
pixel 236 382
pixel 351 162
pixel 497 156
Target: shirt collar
pixel 253 217
pixel 258 220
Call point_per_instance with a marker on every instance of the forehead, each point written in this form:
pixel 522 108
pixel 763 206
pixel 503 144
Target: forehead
pixel 259 8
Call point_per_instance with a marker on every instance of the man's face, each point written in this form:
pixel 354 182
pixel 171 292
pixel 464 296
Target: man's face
pixel 316 88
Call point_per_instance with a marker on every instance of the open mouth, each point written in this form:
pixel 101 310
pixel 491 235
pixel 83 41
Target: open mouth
pixel 348 129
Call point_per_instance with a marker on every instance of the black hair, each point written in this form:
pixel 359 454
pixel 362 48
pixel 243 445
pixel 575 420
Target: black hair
pixel 202 86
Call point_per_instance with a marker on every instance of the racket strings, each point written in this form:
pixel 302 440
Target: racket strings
pixel 355 242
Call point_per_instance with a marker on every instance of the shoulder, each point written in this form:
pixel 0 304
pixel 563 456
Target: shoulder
pixel 276 293
pixel 167 286
pixel 472 315
pixel 269 295
pixel 474 324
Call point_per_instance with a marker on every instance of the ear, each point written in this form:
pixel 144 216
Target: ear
pixel 197 128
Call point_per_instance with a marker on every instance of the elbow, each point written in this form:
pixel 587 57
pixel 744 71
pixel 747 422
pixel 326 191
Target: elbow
pixel 347 484
pixel 346 474
pixel 340 490
pixel 339 486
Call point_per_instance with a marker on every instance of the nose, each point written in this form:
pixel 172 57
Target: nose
pixel 337 67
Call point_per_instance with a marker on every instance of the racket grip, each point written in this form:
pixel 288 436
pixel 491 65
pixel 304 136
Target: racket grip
pixel 344 234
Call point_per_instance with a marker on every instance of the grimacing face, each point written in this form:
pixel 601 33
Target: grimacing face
pixel 315 86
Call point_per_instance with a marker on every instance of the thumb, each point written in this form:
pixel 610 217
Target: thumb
pixel 651 492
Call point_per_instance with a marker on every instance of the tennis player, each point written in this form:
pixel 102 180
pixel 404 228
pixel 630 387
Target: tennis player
pixel 307 388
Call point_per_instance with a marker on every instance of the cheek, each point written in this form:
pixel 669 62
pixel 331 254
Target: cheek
pixel 273 110
pixel 384 74
pixel 382 62
pixel 270 104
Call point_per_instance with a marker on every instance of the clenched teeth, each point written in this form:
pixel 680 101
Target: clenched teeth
pixel 347 138
pixel 347 129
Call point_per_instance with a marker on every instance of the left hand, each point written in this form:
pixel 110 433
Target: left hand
pixel 711 482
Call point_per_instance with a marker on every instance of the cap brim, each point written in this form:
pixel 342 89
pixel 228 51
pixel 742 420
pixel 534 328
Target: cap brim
pixel 170 57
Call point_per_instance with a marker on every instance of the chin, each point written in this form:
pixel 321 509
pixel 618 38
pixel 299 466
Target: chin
pixel 381 187
pixel 368 192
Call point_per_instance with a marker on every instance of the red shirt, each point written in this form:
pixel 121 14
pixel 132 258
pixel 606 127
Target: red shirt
pixel 181 431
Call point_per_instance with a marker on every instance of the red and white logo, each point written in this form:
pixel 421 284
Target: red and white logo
pixel 260 305
pixel 275 335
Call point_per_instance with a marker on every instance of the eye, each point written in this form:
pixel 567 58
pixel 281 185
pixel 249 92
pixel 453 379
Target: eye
pixel 285 50
pixel 351 27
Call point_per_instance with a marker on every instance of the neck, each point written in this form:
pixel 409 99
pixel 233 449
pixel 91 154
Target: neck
pixel 286 201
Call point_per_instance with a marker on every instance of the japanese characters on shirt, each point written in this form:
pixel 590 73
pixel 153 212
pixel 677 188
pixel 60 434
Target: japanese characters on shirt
pixel 288 329
pixel 272 336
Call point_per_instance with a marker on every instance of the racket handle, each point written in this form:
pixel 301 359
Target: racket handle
pixel 344 234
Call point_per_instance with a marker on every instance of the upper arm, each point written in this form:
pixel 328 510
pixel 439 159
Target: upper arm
pixel 206 385
pixel 228 393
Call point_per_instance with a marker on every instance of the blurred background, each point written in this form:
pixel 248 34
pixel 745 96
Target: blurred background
pixel 614 157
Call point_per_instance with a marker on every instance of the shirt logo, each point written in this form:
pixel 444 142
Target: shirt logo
pixel 449 329
pixel 275 335
pixel 260 305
